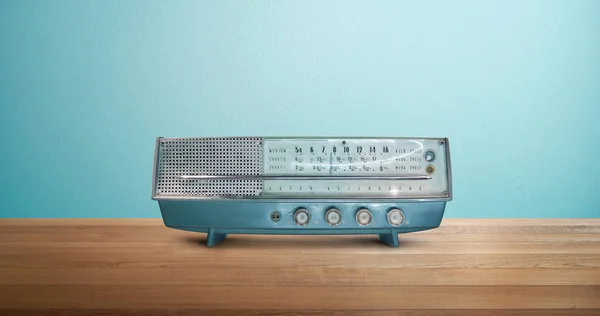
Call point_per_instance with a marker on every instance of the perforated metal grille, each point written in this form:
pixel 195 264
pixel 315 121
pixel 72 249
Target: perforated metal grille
pixel 208 156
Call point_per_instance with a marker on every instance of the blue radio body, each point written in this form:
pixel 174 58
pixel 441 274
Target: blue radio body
pixel 222 186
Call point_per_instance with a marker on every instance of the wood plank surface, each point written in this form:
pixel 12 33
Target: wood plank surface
pixel 141 267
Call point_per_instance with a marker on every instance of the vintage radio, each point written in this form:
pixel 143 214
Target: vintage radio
pixel 302 185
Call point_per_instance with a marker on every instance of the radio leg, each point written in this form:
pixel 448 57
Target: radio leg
pixel 390 239
pixel 214 238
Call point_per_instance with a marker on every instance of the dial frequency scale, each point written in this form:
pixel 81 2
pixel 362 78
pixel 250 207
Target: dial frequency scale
pixel 302 185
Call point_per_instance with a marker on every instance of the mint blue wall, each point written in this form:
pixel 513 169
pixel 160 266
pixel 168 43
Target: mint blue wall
pixel 87 86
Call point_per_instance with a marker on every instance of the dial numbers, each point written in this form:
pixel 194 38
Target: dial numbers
pixel 354 157
pixel 341 157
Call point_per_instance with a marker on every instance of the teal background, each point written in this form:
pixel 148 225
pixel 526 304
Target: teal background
pixel 87 86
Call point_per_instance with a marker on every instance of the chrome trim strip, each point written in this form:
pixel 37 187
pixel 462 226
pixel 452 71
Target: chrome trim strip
pixel 277 177
pixel 448 169
pixel 155 167
pixel 305 199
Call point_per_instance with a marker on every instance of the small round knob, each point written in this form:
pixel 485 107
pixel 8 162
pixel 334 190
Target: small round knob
pixel 333 216
pixel 364 217
pixel 395 217
pixel 302 217
pixel 430 169
pixel 429 156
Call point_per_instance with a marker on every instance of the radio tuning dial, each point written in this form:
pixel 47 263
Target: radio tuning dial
pixel 364 217
pixel 395 217
pixel 301 217
pixel 333 216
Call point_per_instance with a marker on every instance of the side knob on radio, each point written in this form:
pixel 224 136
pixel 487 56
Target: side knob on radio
pixel 301 216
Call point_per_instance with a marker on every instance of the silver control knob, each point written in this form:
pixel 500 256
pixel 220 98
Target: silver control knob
pixel 301 217
pixel 333 216
pixel 429 156
pixel 395 217
pixel 364 217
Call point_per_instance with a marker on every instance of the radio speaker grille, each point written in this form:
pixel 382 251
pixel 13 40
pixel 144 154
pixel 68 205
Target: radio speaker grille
pixel 209 156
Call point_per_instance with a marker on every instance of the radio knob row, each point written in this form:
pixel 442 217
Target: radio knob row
pixel 363 217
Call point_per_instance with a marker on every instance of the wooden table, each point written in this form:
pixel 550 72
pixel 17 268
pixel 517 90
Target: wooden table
pixel 140 267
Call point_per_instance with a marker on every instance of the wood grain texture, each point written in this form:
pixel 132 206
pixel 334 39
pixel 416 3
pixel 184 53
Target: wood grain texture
pixel 141 267
pixel 306 312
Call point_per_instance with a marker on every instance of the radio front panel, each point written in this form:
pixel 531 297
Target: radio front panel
pixel 291 168
pixel 302 185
